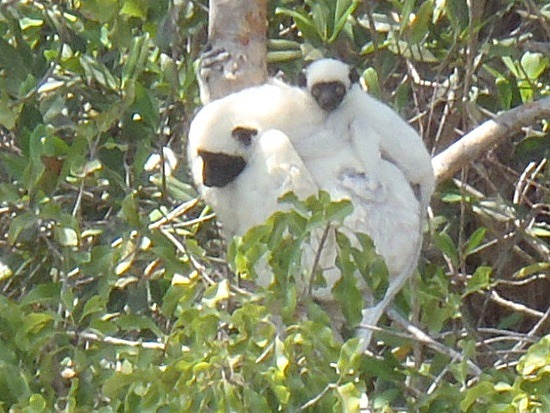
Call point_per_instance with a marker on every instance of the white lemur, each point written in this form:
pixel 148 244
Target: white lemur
pixel 241 175
pixel 241 164
pixel 335 88
pixel 375 131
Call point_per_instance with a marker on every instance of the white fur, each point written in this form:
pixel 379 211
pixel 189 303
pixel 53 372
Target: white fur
pixel 375 124
pixel 327 70
pixel 393 154
pixel 301 148
pixel 273 167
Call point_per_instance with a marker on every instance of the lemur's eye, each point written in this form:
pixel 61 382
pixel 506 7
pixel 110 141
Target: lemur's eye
pixel 244 135
pixel 316 90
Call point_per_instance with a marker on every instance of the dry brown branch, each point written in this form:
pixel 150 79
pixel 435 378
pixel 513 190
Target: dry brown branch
pixel 482 138
pixel 238 28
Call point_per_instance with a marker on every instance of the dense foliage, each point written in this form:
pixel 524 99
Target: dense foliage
pixel 116 291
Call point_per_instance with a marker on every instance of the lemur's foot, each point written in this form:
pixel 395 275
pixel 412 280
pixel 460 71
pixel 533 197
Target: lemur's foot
pixel 214 59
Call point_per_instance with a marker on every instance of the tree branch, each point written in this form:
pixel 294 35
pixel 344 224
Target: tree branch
pixel 237 56
pixel 482 138
pixel 425 339
pixel 117 341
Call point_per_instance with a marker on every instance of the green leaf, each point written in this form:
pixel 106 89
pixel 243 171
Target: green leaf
pixel 370 76
pixel 350 397
pixel 302 21
pixel 320 17
pixel 344 9
pixel 538 267
pixel 48 293
pixel 100 10
pixel 283 56
pixel 177 189
pixel 136 58
pixel 145 106
pixel 37 404
pixel 135 8
pixel 504 92
pixel 480 280
pixel 14 385
pixel 419 27
pixel 12 61
pixel 537 359
pixel 337 211
pixel 512 67
pixel 8 193
pixel 9 111
pixel 53 146
pixel 35 168
pixel 447 246
pixel 417 52
pixel 475 240
pixel 25 222
pixel 481 391
pixel 254 401
pixel 96 304
pixel 130 322
pixel 27 22
pixel 349 359
pixel 533 148
pixel 406 11
pixel 216 293
pixel 35 322
pixel 534 64
pixel 67 237
pixel 457 12
pixel 130 210
pixel 97 71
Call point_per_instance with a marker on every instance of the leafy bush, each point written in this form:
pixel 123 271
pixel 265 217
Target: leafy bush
pixel 117 293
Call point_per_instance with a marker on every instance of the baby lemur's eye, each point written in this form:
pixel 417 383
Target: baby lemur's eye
pixel 244 134
pixel 316 91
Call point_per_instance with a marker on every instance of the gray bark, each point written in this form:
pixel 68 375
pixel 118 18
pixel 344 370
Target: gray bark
pixel 237 55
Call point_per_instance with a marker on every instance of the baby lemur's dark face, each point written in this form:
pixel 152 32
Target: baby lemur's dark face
pixel 328 95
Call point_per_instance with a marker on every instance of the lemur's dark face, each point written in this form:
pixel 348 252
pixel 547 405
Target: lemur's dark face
pixel 329 95
pixel 220 169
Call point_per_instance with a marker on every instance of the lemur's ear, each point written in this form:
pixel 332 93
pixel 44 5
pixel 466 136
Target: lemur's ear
pixel 302 80
pixel 353 75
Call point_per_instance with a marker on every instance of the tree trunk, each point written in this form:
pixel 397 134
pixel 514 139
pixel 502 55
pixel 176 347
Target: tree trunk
pixel 236 58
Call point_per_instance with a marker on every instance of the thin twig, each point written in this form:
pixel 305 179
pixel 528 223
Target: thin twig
pixel 523 184
pixel 516 307
pixel 176 212
pixel 181 248
pixel 194 221
pixel 312 402
pixel 117 341
pixel 317 258
pixel 425 339
pixel 531 334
